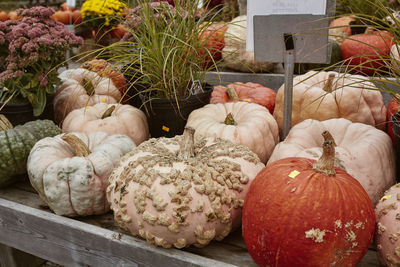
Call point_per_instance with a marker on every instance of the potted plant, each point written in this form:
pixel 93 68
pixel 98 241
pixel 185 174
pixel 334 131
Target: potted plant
pixel 31 50
pixel 165 54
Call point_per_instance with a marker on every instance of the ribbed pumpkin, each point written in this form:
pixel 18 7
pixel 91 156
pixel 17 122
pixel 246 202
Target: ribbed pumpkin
pixel 327 95
pixel 70 171
pixel 180 191
pixel 299 212
pixel 17 142
pixel 247 92
pixel 242 123
pixel 80 88
pixel 387 237
pixel 363 151
pixel 109 118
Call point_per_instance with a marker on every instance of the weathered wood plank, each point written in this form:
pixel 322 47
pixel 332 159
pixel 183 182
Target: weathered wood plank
pixel 11 257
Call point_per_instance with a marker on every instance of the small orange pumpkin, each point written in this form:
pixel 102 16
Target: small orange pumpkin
pixel 3 16
pixel 64 17
pixel 247 92
pixel 76 17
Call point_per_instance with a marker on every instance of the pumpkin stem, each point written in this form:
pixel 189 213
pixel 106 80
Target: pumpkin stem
pixel 369 30
pixel 326 163
pixel 329 83
pixel 229 120
pixel 108 112
pixel 89 88
pixel 80 148
pixel 187 146
pixel 5 124
pixel 232 94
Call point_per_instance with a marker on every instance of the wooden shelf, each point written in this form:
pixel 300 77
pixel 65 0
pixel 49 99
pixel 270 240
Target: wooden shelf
pixel 27 224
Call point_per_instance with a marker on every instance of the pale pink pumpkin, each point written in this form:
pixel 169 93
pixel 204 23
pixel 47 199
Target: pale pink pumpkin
pixel 242 123
pixel 110 118
pixel 80 88
pixel 363 151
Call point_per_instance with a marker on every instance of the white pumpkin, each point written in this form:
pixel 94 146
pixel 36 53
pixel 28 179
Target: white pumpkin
pixel 70 172
pixel 363 151
pixel 178 192
pixel 242 123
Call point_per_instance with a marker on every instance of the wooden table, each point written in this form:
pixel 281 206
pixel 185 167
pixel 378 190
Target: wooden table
pixel 27 224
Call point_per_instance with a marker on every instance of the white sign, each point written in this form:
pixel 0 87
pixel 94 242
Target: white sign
pixel 279 7
pixel 71 3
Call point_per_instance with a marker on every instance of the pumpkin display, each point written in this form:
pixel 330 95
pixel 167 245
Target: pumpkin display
pixel 80 88
pixel 235 54
pixel 367 53
pixel 302 212
pixel 109 118
pixel 248 92
pixel 242 123
pixel 363 151
pixel 387 227
pixel 326 95
pixel 182 191
pixel 17 142
pixel 107 70
pixel 70 171
pixel 340 28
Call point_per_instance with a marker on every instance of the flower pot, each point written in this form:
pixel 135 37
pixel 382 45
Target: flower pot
pixel 20 113
pixel 166 118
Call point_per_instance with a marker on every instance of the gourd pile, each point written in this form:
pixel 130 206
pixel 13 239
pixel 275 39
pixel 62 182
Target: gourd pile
pixel 311 205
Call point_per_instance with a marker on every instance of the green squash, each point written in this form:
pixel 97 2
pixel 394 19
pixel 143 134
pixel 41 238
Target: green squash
pixel 17 142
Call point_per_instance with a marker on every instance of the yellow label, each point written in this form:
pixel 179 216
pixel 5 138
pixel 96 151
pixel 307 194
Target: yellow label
pixel 247 99
pixel 386 197
pixel 87 107
pixel 103 99
pixel 165 128
pixel 293 174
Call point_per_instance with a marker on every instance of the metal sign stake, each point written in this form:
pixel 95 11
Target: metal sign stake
pixel 289 61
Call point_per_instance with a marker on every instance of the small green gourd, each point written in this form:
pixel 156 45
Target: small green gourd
pixel 17 142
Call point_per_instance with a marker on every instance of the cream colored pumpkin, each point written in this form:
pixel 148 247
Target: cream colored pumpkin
pixel 394 54
pixel 71 176
pixel 363 151
pixel 110 118
pixel 235 54
pixel 177 192
pixel 316 96
pixel 251 125
pixel 387 237
pixel 80 88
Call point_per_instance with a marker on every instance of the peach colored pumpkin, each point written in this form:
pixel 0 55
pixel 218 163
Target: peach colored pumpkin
pixel 248 124
pixel 182 191
pixel 110 118
pixel 316 96
pixel 363 151
pixel 80 88
pixel 387 233
pixel 70 172
pixel 248 92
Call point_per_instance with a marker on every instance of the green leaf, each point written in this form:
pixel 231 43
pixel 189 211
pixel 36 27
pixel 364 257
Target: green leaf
pixel 40 103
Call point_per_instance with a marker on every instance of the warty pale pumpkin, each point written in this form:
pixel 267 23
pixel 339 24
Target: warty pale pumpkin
pixel 16 143
pixel 327 95
pixel 181 192
pixel 387 233
pixel 80 88
pixel 242 123
pixel 110 118
pixel 363 151
pixel 301 212
pixel 70 171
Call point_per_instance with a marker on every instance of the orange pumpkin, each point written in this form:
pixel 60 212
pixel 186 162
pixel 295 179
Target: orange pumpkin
pixel 213 42
pixel 118 31
pixel 3 16
pixel 13 15
pixel 248 92
pixel 107 70
pixel 76 17
pixel 299 212
pixel 64 17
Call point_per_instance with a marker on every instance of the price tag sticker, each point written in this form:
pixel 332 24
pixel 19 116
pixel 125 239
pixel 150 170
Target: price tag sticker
pixel 247 100
pixel 165 129
pixel 293 174
pixel 103 99
pixel 87 107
